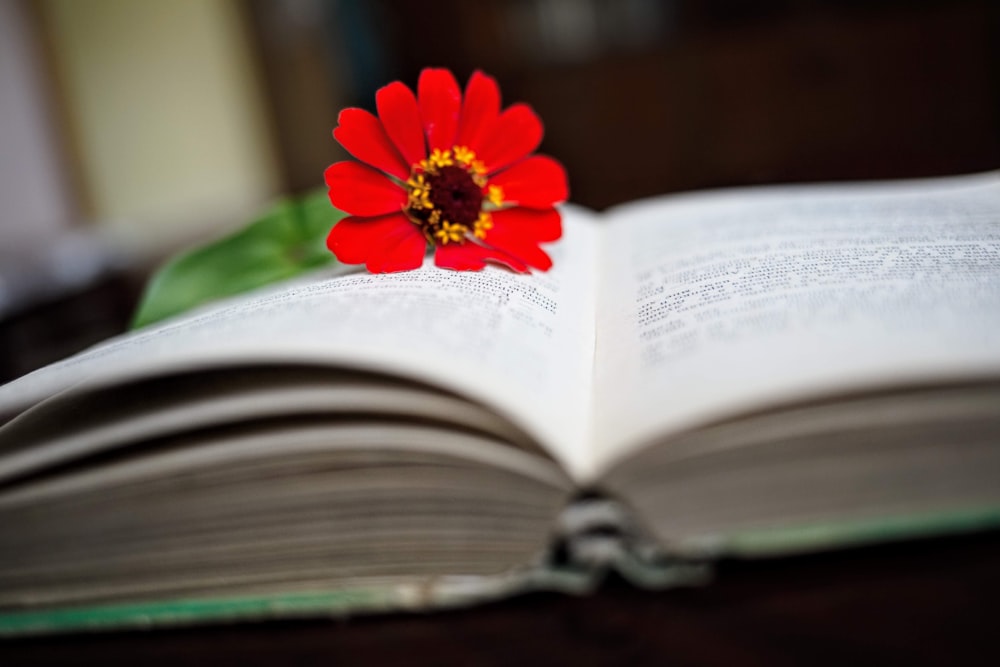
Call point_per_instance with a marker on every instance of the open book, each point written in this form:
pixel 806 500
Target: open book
pixel 740 373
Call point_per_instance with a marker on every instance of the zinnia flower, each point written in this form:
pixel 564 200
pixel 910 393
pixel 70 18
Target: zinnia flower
pixel 442 169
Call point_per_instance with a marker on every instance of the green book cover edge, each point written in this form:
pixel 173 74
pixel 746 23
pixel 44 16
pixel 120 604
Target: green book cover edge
pixel 190 611
pixel 819 536
pixel 763 543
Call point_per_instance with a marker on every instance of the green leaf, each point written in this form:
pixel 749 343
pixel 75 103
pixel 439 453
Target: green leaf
pixel 288 239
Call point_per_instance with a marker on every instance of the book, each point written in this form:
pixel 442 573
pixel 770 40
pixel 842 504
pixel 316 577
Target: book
pixel 741 373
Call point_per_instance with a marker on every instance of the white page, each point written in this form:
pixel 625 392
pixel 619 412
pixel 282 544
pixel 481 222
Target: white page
pixel 522 344
pixel 720 303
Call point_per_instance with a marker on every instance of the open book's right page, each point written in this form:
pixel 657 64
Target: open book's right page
pixel 720 303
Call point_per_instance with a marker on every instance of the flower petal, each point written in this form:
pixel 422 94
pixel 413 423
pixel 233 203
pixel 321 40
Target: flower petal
pixel 440 99
pixel 480 109
pixel 539 225
pixel 518 231
pixel 384 244
pixel 363 136
pixel 400 115
pixel 360 190
pixel 473 257
pixel 515 134
pixel 538 182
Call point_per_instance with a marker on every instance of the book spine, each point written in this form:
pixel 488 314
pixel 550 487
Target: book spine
pixel 598 534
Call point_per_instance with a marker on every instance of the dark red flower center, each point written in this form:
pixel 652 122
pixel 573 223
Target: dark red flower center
pixel 449 197
pixel 455 195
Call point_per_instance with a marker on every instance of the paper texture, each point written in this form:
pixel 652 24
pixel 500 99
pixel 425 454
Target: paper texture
pixel 728 302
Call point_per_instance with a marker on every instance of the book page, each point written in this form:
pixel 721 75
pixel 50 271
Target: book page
pixel 723 303
pixel 521 344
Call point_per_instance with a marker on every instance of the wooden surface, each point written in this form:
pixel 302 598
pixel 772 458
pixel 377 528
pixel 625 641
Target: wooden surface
pixel 927 603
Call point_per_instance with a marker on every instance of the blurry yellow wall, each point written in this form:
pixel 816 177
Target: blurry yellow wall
pixel 166 115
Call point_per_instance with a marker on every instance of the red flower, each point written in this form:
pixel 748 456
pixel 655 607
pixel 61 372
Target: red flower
pixel 447 170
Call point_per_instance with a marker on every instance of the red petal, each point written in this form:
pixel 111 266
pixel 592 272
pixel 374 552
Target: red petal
pixel 480 109
pixel 538 182
pixel 362 135
pixel 518 231
pixel 400 115
pixel 515 134
pixel 440 99
pixel 360 190
pixel 384 244
pixel 539 225
pixel 472 257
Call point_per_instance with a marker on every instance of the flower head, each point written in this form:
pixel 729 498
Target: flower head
pixel 448 170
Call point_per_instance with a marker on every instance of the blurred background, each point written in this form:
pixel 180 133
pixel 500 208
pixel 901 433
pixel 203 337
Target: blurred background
pixel 132 128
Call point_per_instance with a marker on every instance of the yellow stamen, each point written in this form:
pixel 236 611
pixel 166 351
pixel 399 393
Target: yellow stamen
pixel 420 192
pixel 483 224
pixel 450 233
pixel 495 195
pixel 463 155
pixel 438 158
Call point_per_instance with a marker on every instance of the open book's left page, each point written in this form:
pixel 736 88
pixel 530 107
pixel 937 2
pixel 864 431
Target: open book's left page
pixel 521 344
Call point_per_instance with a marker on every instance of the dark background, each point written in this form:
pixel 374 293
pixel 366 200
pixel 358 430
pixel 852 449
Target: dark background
pixel 642 97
